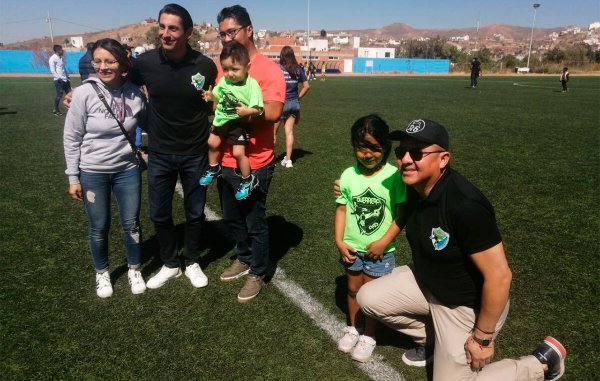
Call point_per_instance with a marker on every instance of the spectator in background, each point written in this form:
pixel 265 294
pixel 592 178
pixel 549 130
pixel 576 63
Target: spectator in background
pixel 85 63
pixel 58 68
pixel 290 115
pixel 564 78
pixel 475 71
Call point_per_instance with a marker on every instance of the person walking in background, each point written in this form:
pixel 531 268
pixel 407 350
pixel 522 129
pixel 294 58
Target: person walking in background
pixel 247 219
pixel 564 78
pixel 290 115
pixel 238 97
pixel 366 226
pixel 85 63
pixel 178 129
pixel 100 160
pixel 58 68
pixel 475 71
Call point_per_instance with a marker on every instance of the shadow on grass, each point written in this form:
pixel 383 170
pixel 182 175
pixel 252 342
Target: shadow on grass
pixel 297 153
pixel 217 243
pixel 283 235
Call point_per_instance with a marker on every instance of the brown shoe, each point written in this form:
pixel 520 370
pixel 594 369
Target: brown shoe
pixel 237 270
pixel 252 287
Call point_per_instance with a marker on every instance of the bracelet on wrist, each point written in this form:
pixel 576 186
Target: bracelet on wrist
pixel 486 332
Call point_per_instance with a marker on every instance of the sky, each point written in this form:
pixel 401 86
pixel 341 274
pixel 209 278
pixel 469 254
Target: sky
pixel 25 19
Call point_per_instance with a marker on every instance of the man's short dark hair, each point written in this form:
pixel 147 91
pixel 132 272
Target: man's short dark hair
pixel 236 12
pixel 236 51
pixel 56 48
pixel 178 10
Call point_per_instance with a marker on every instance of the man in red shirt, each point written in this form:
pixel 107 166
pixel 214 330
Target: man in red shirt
pixel 247 219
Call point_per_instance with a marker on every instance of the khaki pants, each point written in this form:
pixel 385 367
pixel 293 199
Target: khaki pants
pixel 398 301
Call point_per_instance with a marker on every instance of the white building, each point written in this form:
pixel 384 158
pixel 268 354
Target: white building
pixel 77 42
pixel 594 26
pixel 376 52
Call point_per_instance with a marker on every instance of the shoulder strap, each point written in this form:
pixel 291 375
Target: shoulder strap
pixel 103 99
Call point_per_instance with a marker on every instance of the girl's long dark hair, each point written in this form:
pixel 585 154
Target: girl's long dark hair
pixel 287 59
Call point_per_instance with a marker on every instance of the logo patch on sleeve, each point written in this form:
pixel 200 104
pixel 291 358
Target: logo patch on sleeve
pixel 439 238
pixel 369 211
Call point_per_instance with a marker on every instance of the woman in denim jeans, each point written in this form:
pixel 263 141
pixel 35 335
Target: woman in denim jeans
pixel 100 160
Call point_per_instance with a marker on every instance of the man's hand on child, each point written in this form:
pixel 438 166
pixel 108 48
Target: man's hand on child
pixel 375 250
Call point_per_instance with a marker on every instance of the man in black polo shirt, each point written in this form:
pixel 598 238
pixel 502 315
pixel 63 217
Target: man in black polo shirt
pixel 455 296
pixel 178 131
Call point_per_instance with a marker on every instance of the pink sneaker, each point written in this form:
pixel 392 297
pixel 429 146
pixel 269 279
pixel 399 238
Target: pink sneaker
pixel 349 340
pixel 363 350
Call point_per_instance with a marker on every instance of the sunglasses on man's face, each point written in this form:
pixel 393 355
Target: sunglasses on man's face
pixel 415 153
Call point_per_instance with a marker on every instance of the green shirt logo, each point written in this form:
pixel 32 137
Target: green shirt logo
pixel 369 211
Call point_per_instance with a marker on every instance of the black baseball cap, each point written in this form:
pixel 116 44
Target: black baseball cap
pixel 424 130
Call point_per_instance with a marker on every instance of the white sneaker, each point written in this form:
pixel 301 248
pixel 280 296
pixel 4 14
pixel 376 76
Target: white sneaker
pixel 363 350
pixel 138 286
pixel 289 164
pixel 163 276
pixel 103 286
pixel 284 161
pixel 197 277
pixel 349 340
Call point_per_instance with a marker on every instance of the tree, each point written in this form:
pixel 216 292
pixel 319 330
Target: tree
pixel 555 55
pixel 152 36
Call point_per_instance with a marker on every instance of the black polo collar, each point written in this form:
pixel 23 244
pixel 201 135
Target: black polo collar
pixel 439 187
pixel 189 56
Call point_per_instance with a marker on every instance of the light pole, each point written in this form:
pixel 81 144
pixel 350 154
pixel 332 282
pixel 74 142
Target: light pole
pixel 308 30
pixel 535 7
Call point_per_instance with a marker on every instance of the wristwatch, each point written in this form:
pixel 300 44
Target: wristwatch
pixel 483 342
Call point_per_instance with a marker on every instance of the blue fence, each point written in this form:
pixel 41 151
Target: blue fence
pixel 26 61
pixel 400 65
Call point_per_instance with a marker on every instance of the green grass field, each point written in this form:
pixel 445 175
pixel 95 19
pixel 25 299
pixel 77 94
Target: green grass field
pixel 532 150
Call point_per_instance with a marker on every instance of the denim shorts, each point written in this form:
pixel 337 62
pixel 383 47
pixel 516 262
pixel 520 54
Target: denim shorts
pixel 372 268
pixel 291 108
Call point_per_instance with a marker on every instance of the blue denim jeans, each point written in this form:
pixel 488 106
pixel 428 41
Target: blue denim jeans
pixel 97 189
pixel 163 170
pixel 247 219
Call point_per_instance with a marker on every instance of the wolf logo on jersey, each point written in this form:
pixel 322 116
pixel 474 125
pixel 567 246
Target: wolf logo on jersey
pixel 369 210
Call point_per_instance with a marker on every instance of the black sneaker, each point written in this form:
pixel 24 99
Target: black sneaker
pixel 552 353
pixel 56 113
pixel 419 356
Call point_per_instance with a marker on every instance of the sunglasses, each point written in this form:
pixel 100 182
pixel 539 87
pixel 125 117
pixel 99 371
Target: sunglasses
pixel 415 153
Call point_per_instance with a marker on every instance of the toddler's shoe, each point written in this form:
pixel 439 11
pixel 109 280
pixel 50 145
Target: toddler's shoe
pixel 349 340
pixel 246 187
pixel 364 349
pixel 210 174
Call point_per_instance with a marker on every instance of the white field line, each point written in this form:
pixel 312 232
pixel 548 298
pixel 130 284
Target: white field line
pixel 376 369
pixel 535 86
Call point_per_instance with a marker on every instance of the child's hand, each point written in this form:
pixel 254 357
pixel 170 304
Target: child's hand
pixel 375 250
pixel 243 110
pixel 207 95
pixel 348 253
